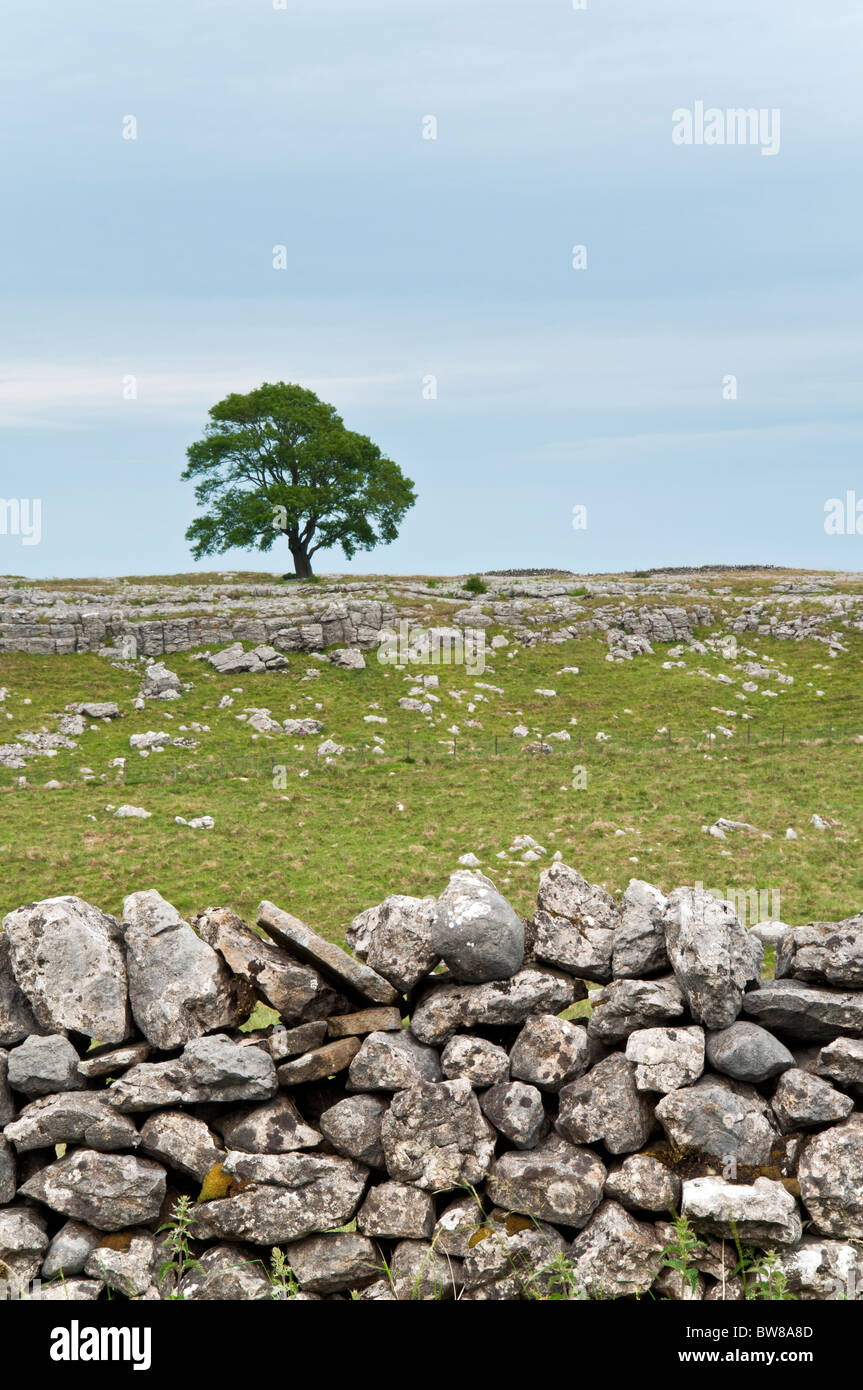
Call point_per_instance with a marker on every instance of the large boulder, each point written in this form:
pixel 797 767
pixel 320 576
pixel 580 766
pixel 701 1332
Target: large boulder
pixel 80 1117
pixel 395 939
pixel 108 1191
pixel 764 1214
pixel 179 988
pixel 556 1181
pixel 724 1120
pixel 159 682
pixel 713 958
pixel 615 1256
pixel 210 1069
pixel 828 953
pixel 444 1009
pixel 574 924
pixel 812 1012
pixel 830 1174
pixel 303 1194
pixel 436 1137
pixel 639 938
pixel 747 1052
pixel 476 932
pixel 605 1106
pixel 69 960
pixel 627 1005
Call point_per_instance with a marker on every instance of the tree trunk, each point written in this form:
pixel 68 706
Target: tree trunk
pixel 302 563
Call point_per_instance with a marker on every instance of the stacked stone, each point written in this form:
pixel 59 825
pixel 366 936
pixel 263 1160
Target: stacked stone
pixel 424 1123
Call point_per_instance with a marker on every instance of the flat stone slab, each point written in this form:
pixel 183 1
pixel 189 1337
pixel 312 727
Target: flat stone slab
pixel 318 1065
pixel 806 1011
pixel 325 956
pixel 297 993
pixel 382 1020
pixel 110 1061
pixel 77 1117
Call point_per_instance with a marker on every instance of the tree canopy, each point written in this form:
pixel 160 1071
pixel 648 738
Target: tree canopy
pixel 279 461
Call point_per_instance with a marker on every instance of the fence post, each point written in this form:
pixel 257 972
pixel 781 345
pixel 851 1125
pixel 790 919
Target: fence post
pixel 749 731
pixel 495 745
pixel 454 738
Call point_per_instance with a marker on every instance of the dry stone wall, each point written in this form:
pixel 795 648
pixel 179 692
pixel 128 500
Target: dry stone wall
pixel 425 1122
pixel 309 628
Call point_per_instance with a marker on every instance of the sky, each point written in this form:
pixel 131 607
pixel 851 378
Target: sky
pixel 695 386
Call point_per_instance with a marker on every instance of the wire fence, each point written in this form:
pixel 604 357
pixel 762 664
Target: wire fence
pixel 222 761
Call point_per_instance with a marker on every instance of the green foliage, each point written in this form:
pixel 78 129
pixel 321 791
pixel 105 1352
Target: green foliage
pixel 474 585
pixel 679 1254
pixel 758 1271
pixel 262 1016
pixel 282 1279
pixel 180 1260
pixel 280 461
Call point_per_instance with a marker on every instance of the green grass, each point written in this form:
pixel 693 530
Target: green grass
pixel 333 842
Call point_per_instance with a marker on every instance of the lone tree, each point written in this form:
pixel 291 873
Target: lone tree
pixel 279 461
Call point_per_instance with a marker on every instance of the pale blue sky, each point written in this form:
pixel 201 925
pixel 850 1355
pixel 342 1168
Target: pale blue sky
pixel 406 257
